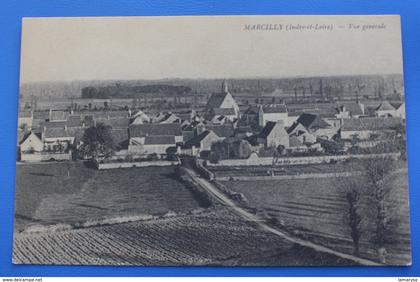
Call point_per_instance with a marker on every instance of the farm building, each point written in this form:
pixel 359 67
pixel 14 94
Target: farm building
pixel 156 145
pixel 74 121
pixel 139 118
pixel 222 115
pixel 350 110
pixel 153 138
pixel 202 142
pixel 363 128
pixel 399 110
pixel 300 133
pixel 166 118
pixel 32 142
pixel 58 115
pixel 249 117
pixel 315 125
pixel 121 122
pixel 223 131
pixel 272 112
pixel 273 135
pixel 57 139
pixel 385 109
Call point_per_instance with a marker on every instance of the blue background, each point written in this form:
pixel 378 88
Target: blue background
pixel 11 13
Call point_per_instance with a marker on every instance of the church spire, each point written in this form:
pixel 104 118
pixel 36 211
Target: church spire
pixel 225 88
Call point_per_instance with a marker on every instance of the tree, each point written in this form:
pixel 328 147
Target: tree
pixel 353 190
pixel 97 141
pixel 377 172
pixel 214 157
pixel 367 193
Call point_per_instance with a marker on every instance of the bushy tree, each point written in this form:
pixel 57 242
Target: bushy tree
pixel 368 196
pixel 353 190
pixel 377 172
pixel 97 141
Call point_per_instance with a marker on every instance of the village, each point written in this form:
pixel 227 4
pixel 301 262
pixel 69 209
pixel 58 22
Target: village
pixel 220 131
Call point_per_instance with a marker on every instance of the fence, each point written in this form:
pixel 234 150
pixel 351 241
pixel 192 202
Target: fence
pixel 297 160
pixel 115 165
pixel 42 157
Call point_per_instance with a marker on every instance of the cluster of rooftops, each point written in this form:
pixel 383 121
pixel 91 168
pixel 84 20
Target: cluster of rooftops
pixel 222 116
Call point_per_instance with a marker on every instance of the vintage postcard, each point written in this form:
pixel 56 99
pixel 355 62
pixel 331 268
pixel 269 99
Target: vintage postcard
pixel 212 140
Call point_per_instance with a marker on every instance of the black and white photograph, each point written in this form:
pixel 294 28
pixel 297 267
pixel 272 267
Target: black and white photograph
pixel 212 141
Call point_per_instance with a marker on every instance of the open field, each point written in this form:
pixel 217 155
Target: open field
pixel 227 171
pixel 238 171
pixel 70 193
pixel 212 237
pixel 315 209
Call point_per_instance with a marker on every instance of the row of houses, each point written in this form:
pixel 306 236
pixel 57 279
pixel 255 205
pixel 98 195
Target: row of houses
pixel 194 132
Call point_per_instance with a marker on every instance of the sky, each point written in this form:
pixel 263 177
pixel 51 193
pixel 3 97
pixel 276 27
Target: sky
pixel 126 48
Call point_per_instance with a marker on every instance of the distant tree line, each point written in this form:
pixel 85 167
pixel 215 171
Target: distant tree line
pixel 120 91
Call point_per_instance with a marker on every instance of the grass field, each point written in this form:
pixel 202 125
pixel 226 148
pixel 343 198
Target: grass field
pixel 227 171
pixel 212 237
pixel 315 209
pixel 70 193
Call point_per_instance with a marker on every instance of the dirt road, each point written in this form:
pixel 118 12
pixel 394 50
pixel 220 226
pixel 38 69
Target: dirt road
pixel 223 199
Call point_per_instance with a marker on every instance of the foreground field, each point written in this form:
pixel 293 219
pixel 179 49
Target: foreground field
pixel 235 171
pixel 212 237
pixel 315 209
pixel 71 194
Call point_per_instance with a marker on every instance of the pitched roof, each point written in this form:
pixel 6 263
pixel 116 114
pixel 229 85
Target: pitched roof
pixel 274 108
pixel 56 133
pixel 54 124
pixel 58 115
pixel 43 115
pixel 251 110
pixel 216 100
pixel 159 140
pixel 76 132
pixel 267 129
pixel 74 121
pixel 224 111
pixel 243 129
pixel 109 114
pixel 222 130
pixel 187 135
pixel 397 105
pixel 197 139
pixel 115 122
pixel 297 129
pixel 23 136
pixel 119 135
pixel 371 123
pixel 312 121
pixel 148 129
pixel 353 108
pixel 385 106
pixel 170 118
pixel 141 115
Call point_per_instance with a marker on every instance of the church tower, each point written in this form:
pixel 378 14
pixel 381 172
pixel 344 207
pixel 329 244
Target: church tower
pixel 225 88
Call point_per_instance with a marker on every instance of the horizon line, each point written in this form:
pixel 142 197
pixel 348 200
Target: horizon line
pixel 215 78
